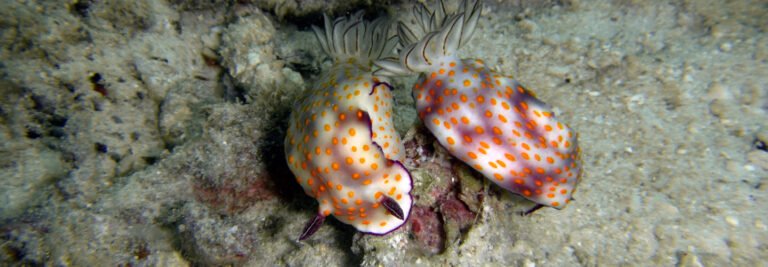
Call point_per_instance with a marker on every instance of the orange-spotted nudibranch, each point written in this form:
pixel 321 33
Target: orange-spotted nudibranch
pixel 486 119
pixel 341 143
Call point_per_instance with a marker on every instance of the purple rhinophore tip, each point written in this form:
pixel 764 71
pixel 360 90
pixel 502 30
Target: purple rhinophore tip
pixel 312 227
pixel 392 206
pixel 530 211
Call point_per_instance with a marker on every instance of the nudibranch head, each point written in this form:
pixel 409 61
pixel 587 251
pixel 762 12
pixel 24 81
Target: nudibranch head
pixel 486 119
pixel 341 143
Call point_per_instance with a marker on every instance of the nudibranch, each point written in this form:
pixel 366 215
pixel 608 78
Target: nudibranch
pixel 486 119
pixel 341 144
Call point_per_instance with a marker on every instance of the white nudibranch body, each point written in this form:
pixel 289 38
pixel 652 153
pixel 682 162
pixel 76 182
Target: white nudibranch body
pixel 341 143
pixel 486 119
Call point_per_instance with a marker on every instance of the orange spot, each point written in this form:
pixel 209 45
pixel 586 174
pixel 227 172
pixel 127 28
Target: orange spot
pixel 374 166
pixel 555 204
pixel 467 83
pixel 550 195
pixel 397 178
pixel 352 132
pixel 472 155
pixel 480 99
pixel 488 113
pixel 392 191
pixel 484 144
pixel 350 161
pixel 367 182
pixel 510 157
pixel 463 98
pixel 525 146
pixel 498 176
pixel 450 140
pixel 342 116
pixel 525 156
pixel 436 121
pixel 465 120
pixel 501 163
pixel 519 181
pixel 527 193
pixel 564 191
pixel 502 118
pixel 468 138
pixel 335 166
pixel 479 130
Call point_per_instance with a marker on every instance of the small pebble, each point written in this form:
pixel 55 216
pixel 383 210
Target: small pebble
pixel 726 47
pixel 758 158
pixel 732 221
pixel 760 225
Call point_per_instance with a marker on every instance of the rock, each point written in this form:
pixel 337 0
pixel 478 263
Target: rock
pixel 427 229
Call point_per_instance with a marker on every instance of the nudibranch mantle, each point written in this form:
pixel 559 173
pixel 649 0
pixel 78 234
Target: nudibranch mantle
pixel 500 129
pixel 341 143
pixel 486 119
